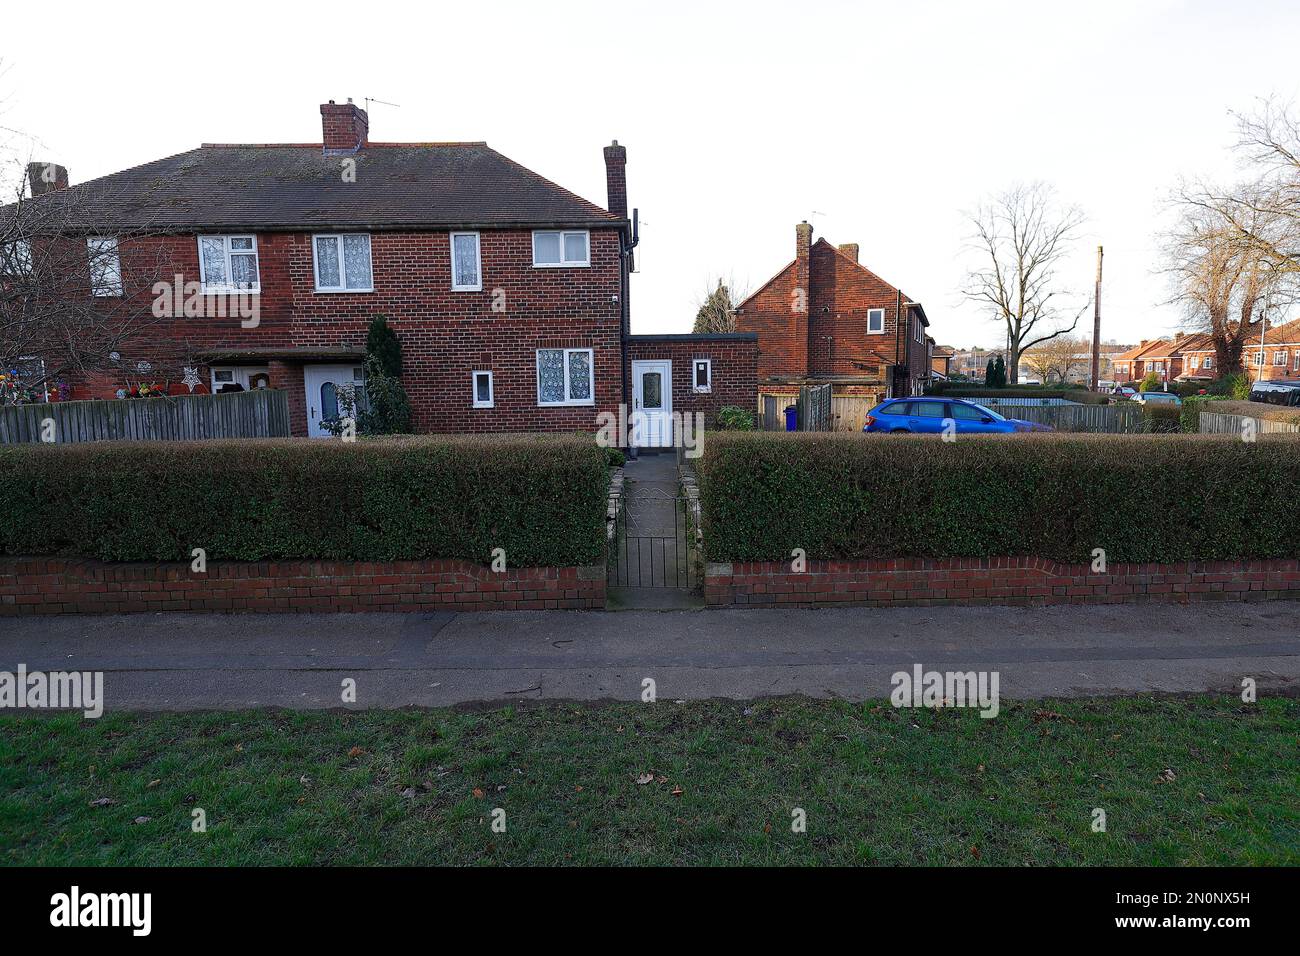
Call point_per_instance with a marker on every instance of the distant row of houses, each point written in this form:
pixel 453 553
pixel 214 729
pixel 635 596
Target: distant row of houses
pixel 1191 357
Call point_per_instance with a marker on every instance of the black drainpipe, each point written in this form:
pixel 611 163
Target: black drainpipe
pixel 628 239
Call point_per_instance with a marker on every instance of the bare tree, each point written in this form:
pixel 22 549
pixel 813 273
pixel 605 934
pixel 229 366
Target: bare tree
pixel 1023 235
pixel 717 307
pixel 1058 358
pixel 75 288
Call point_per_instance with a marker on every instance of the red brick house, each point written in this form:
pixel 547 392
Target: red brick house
pixel 825 318
pixel 508 293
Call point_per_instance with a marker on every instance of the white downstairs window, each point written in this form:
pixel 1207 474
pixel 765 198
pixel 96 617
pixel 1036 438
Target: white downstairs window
pixel 565 377
pixel 702 375
pixel 483 397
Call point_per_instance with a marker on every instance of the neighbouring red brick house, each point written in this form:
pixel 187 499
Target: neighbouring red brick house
pixel 825 318
pixel 1279 358
pixel 508 293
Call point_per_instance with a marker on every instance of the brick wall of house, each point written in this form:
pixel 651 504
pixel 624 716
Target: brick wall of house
pixel 832 339
pixel 734 360
pixel 445 335
pixel 1010 580
pixel 75 586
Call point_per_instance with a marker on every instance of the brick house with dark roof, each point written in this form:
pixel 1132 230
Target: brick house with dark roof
pixel 509 294
pixel 827 319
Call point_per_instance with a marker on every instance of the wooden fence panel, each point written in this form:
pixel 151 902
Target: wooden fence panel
pixel 849 412
pixel 1218 423
pixel 261 413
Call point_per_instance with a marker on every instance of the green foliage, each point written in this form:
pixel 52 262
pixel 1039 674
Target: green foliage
pixel 1141 497
pixel 735 418
pixel 717 312
pixel 390 411
pixel 990 377
pixel 1161 418
pixel 999 373
pixel 1189 416
pixel 1150 383
pixel 615 458
pixel 1234 386
pixel 541 498
pixel 383 345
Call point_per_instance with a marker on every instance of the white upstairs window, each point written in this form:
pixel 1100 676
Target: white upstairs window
pixel 105 266
pixel 342 263
pixel 466 262
pixel 229 264
pixel 875 321
pixel 561 248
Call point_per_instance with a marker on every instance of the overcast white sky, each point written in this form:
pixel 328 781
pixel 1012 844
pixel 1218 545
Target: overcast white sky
pixel 886 120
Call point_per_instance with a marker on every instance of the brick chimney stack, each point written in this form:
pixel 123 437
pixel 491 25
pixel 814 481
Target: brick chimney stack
pixel 344 128
pixel 46 178
pixel 801 296
pixel 616 179
pixel 850 249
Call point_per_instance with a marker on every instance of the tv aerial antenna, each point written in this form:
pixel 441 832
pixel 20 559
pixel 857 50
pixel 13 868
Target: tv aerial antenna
pixel 370 99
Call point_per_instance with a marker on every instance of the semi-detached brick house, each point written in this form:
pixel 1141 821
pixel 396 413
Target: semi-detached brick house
pixel 825 318
pixel 510 294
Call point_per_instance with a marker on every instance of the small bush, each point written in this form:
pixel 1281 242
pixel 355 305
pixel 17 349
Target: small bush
pixel 1235 386
pixel 615 458
pixel 1150 383
pixel 1140 497
pixel 541 498
pixel 1161 419
pixel 736 419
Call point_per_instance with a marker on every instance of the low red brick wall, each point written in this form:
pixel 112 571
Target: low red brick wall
pixel 78 586
pixel 964 581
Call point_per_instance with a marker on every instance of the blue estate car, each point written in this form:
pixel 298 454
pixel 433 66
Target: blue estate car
pixel 927 416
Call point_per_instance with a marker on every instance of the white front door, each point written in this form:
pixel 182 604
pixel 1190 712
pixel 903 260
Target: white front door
pixel 323 384
pixel 652 404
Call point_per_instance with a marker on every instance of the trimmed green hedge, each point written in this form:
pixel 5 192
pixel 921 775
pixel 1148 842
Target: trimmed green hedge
pixel 1140 497
pixel 961 390
pixel 541 498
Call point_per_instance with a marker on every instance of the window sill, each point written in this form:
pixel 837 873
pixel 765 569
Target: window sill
pixel 467 288
pixel 561 265
pixel 344 291
pixel 481 405
pixel 214 290
pixel 587 404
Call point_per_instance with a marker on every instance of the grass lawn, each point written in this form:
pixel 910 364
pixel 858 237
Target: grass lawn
pixel 1182 781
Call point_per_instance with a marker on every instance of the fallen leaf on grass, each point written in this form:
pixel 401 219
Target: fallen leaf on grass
pixel 645 778
pixel 477 792
pixel 355 752
pixel 152 783
pixel 1166 776
pixel 677 791
pixel 103 802
pixel 142 819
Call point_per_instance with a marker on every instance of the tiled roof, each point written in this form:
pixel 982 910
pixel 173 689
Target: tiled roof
pixel 396 186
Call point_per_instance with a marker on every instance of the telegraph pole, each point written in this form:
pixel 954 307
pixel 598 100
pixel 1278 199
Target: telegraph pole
pixel 1096 326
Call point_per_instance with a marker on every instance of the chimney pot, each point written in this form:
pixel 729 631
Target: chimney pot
pixel 616 179
pixel 46 178
pixel 345 128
